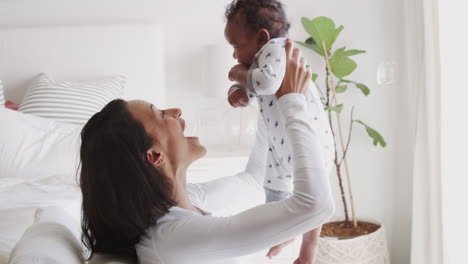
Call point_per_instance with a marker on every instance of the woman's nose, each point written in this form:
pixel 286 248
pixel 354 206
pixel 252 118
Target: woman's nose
pixel 176 112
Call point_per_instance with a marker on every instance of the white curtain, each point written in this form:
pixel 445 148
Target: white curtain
pixel 427 226
pixel 440 183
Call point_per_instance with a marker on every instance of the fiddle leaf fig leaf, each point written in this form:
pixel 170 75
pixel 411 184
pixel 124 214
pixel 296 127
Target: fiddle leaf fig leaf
pixel 310 41
pixel 341 65
pixel 338 31
pixel 321 29
pixel 377 138
pixel 354 52
pixel 341 89
pixel 313 47
pixel 337 108
pixel 365 90
pixel 314 77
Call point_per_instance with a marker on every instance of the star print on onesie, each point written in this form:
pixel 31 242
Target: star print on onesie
pixel 264 78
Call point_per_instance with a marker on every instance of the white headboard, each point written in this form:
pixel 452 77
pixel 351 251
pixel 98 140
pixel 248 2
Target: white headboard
pixel 84 52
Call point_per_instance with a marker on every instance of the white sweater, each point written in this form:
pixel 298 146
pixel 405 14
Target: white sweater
pixel 183 236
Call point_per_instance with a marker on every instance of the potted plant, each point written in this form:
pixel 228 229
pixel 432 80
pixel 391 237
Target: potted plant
pixel 347 241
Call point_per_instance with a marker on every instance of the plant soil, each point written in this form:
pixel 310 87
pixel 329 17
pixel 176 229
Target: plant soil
pixel 344 230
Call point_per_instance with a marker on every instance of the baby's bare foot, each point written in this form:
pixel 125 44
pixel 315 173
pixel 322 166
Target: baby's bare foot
pixel 274 251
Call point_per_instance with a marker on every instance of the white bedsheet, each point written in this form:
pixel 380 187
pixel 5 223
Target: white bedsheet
pixel 19 200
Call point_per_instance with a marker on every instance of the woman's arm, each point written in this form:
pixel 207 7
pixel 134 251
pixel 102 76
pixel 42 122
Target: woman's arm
pixel 206 237
pixel 311 204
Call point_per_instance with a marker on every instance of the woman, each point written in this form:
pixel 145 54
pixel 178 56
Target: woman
pixel 136 201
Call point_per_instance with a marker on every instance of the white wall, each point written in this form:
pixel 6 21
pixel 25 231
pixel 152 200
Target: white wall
pixel 381 177
pixel 454 140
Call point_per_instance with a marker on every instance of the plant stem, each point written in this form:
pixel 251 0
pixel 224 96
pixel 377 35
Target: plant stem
pixel 328 87
pixel 340 130
pixel 322 96
pixel 338 84
pixel 338 171
pixel 349 137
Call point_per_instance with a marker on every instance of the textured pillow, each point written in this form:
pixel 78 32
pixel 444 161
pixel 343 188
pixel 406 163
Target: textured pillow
pixel 2 96
pixel 32 147
pixel 70 102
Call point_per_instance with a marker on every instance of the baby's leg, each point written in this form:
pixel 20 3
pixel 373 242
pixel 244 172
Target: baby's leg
pixel 274 196
pixel 309 247
pixel 274 251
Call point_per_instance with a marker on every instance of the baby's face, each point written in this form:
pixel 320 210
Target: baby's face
pixel 245 45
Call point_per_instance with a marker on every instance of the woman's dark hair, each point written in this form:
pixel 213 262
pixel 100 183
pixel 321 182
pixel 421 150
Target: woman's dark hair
pixel 267 14
pixel 122 192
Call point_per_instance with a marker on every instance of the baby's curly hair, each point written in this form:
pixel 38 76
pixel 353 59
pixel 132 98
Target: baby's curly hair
pixel 267 14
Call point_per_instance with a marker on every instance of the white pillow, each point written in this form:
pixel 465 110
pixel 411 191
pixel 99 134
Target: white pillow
pixel 2 96
pixel 52 239
pixel 55 214
pixel 55 238
pixel 33 147
pixel 70 102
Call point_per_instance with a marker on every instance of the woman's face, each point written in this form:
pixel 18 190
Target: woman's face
pixel 166 127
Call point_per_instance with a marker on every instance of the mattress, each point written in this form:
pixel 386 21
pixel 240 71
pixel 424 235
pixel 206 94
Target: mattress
pixel 19 200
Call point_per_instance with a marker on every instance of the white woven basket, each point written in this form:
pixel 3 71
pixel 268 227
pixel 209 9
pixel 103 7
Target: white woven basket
pixel 367 249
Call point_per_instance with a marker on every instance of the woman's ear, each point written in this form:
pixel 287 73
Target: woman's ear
pixel 263 36
pixel 156 159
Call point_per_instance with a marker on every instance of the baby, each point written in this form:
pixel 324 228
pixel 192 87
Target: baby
pixel 257 29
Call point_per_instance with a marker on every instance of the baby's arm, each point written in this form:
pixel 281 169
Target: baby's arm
pixel 264 80
pixel 238 95
pixel 268 77
pixel 238 74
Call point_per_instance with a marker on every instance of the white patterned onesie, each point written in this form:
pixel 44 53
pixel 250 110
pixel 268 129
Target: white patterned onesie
pixel 264 78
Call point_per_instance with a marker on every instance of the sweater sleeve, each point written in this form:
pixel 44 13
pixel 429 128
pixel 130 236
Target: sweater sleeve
pixel 214 238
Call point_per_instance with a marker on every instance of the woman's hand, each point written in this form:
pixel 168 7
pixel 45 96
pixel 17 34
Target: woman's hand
pixel 297 76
